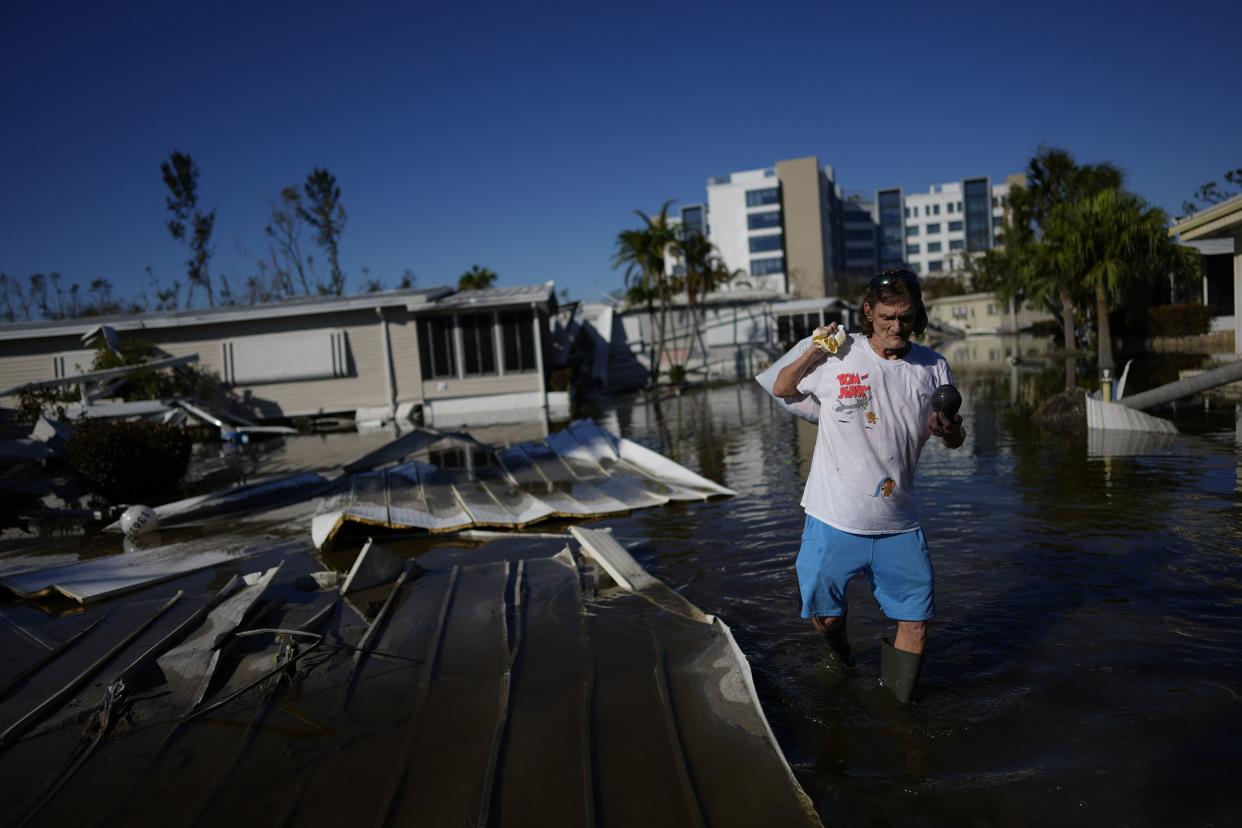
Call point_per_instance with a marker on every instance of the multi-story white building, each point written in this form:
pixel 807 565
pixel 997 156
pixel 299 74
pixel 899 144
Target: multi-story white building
pixel 789 230
pixel 939 227
pixel 780 225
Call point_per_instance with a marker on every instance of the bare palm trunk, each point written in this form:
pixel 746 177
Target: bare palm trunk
pixel 1071 341
pixel 1067 321
pixel 1105 334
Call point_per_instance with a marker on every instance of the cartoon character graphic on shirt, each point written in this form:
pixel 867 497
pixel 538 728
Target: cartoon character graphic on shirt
pixel 854 394
pixel 885 487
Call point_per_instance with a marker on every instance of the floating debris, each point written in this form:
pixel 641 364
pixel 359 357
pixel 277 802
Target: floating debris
pixel 580 472
pixel 99 578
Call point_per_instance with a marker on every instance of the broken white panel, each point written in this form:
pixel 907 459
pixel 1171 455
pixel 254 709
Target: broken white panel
pixel 522 507
pixel 661 468
pixel 1112 416
pixel 105 577
pixel 262 494
pixel 374 565
pixel 188 667
pixel 419 499
pixel 603 548
pixel 593 440
pixel 567 446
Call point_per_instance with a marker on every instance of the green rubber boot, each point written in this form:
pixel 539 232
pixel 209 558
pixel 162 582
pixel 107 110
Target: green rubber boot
pixel 899 671
pixel 837 640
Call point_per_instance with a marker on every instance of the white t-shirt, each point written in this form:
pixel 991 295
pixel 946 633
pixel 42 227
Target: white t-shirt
pixel 872 427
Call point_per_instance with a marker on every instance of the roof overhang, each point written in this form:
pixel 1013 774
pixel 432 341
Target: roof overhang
pixel 1218 221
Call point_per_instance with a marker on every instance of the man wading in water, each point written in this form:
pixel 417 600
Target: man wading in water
pixel 861 512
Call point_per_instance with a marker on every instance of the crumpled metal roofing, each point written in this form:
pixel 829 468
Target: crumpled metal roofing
pixel 582 471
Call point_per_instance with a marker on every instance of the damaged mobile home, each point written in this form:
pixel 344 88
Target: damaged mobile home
pixel 471 356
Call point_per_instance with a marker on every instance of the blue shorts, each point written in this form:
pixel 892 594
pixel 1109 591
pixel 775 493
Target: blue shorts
pixel 898 566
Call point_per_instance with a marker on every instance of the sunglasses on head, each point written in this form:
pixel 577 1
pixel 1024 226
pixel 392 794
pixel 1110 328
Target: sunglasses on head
pixel 889 277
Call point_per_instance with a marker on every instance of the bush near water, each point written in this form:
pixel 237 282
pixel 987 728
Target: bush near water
pixel 129 461
pixel 1179 320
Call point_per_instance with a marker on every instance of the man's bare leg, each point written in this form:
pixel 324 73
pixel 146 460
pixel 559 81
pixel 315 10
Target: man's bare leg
pixel 911 636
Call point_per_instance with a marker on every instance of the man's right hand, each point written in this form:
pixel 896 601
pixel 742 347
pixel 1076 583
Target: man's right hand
pixel 786 385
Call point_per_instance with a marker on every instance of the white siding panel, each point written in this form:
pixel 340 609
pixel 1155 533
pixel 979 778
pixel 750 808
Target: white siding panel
pixel 71 364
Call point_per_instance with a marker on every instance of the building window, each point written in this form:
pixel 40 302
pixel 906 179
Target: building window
pixel 933 229
pixel 907 212
pixel 517 338
pixel 759 198
pixel 998 221
pixel 935 209
pixel 857 253
pixel 950 207
pixel 912 230
pixel 913 249
pixel 794 327
pixel 764 244
pixel 764 267
pixel 859 235
pixel 955 226
pixel 692 220
pixel 917 267
pixel 764 220
pixel 933 247
pixel 991 309
pixel 935 267
pixel 478 345
pixel 253 360
pixel 889 207
pixel 957 244
pixel 435 347
pixel 978 212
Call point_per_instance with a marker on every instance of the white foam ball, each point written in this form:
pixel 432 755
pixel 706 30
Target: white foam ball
pixel 138 520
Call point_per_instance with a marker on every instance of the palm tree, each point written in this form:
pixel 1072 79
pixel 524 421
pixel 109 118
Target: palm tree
pixel 641 253
pixel 476 278
pixel 1034 264
pixel 1110 240
pixel 705 272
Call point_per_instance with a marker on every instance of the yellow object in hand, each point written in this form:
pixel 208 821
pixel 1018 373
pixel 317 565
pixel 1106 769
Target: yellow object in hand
pixel 828 340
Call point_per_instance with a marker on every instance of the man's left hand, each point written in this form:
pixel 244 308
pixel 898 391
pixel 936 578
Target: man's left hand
pixel 948 429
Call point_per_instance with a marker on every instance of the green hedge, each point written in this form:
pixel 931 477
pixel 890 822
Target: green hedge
pixel 1179 320
pixel 129 461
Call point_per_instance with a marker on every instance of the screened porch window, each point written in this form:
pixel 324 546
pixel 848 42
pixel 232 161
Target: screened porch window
pixel 478 344
pixel 435 346
pixel 518 337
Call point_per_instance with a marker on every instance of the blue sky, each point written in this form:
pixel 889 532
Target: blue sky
pixel 522 136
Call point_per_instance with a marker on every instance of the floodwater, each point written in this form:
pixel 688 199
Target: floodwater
pixel 1085 665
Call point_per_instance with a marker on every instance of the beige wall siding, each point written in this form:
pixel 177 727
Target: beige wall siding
pixel 801 200
pixel 403 334
pixel 439 389
pixel 29 360
pixel 365 385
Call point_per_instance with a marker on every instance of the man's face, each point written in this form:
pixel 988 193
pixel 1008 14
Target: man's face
pixel 892 324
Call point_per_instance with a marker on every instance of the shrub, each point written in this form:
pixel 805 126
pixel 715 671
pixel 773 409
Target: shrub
pixel 154 383
pixel 129 461
pixel 1179 320
pixel 33 402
